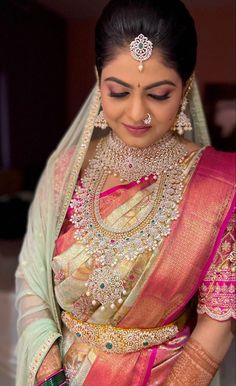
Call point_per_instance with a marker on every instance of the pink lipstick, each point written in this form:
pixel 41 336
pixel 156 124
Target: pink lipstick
pixel 137 130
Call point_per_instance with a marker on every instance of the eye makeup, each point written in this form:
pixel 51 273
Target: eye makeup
pixel 160 97
pixel 118 94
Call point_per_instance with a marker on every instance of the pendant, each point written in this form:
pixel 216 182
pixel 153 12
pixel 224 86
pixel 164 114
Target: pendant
pixel 106 287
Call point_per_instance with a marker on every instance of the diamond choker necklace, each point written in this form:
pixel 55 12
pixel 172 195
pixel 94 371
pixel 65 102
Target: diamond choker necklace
pixel 131 163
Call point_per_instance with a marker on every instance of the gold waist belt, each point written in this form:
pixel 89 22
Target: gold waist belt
pixel 118 340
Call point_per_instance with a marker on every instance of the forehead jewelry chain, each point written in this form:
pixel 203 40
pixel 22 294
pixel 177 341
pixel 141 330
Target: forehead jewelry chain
pixel 141 49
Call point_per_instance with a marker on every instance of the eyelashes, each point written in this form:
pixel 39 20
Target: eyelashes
pixel 118 94
pixel 159 97
pixel 153 96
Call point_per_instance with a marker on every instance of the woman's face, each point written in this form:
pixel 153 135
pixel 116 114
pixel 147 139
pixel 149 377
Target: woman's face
pixel 128 95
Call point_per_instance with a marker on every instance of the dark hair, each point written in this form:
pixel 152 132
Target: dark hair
pixel 167 23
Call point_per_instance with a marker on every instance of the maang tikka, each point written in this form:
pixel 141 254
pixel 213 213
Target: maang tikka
pixel 141 49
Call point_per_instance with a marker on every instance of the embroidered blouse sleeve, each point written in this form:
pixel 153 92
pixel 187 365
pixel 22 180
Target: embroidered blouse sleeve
pixel 217 294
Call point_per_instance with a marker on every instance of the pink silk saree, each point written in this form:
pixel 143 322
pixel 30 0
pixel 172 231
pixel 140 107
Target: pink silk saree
pixel 161 287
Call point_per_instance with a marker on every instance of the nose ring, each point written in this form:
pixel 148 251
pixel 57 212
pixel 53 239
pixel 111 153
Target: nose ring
pixel 148 119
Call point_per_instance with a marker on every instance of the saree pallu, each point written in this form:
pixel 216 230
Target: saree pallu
pixel 160 284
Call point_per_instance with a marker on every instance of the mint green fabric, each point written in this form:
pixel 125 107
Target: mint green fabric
pixel 38 321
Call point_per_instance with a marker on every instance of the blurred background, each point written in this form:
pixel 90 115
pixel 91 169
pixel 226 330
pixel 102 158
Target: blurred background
pixel 46 71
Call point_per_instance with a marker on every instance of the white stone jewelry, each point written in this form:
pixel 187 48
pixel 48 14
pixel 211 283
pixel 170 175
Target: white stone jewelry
pixel 132 163
pixel 141 49
pixel 148 119
pixel 109 245
pixel 183 123
pixel 100 121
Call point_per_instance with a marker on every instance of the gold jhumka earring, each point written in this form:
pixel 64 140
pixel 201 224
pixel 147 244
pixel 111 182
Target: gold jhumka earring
pixel 100 121
pixel 183 123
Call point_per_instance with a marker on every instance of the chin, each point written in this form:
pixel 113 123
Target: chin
pixel 140 142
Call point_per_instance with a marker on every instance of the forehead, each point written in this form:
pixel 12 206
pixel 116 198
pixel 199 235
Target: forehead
pixel 125 67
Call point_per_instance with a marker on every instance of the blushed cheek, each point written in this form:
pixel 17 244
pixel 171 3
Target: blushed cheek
pixel 169 115
pixel 110 110
pixel 173 116
pixel 173 112
pixel 105 105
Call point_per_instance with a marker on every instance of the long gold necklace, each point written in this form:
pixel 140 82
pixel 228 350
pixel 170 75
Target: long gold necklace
pixel 109 245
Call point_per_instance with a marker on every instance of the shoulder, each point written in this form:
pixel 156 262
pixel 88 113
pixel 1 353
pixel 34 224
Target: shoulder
pixel 63 160
pixel 60 166
pixel 218 165
pixel 219 159
pixel 90 153
pixel 218 154
pixel 191 146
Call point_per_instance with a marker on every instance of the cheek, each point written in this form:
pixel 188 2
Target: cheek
pixel 112 109
pixel 173 112
pixel 169 112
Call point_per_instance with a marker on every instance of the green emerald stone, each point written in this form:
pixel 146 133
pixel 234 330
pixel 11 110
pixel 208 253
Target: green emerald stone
pixel 78 334
pixel 145 343
pixel 102 285
pixel 109 346
pixel 140 45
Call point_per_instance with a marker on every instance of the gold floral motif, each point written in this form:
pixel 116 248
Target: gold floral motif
pixel 225 246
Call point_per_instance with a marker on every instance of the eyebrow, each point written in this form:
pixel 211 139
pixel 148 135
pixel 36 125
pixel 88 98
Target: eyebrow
pixel 156 84
pixel 161 83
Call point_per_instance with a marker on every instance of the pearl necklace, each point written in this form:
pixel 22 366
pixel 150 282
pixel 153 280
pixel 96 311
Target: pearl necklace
pixel 108 246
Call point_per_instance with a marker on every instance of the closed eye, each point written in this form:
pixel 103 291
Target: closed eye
pixel 118 94
pixel 160 97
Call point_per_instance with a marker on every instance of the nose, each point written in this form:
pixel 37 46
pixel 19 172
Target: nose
pixel 136 110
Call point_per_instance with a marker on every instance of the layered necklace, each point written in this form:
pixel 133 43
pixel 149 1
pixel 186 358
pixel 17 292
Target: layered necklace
pixel 161 163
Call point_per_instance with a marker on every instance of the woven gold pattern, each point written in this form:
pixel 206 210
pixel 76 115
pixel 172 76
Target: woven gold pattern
pixel 194 367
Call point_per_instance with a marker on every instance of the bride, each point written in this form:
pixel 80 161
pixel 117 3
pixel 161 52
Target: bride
pixel 127 272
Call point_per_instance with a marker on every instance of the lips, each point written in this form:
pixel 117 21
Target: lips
pixel 137 130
